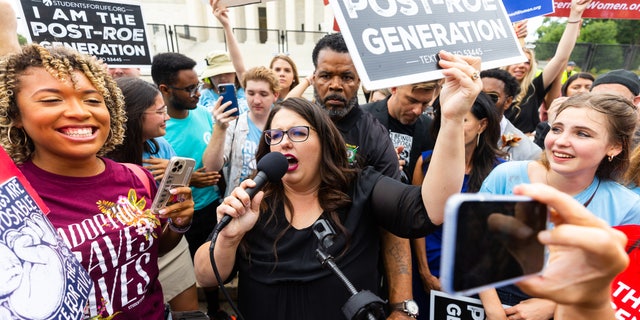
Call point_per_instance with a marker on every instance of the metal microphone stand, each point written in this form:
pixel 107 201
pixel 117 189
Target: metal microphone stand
pixel 362 304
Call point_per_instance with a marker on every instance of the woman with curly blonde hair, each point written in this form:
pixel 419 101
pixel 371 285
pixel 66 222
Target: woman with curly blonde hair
pixel 59 64
pixel 59 113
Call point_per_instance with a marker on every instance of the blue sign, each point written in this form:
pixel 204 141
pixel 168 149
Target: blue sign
pixel 518 10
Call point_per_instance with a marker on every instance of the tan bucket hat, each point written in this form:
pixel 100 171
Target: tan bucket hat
pixel 218 62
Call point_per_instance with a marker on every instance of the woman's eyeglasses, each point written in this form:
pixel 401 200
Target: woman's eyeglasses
pixel 162 111
pixel 295 134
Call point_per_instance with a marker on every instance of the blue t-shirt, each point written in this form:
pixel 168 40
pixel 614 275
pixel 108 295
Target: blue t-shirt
pixel 164 151
pixel 208 99
pixel 189 138
pixel 611 201
pixel 433 244
pixel 434 240
pixel 249 150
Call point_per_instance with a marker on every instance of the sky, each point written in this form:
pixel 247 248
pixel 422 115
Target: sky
pixel 533 24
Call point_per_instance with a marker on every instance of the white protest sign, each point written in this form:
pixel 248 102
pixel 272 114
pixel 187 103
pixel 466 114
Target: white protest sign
pixel 111 31
pixel 395 42
pixel 446 306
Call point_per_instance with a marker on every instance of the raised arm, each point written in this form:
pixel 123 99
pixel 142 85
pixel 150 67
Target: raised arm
pixel 222 14
pixel 213 156
pixel 446 169
pixel 568 40
pixel 8 29
pixel 299 90
pixel 244 212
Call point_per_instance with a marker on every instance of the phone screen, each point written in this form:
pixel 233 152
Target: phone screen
pixel 496 243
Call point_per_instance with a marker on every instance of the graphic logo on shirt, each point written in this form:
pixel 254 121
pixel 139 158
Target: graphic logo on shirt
pixel 351 153
pixel 102 308
pixel 116 246
pixel 143 219
pixel 399 139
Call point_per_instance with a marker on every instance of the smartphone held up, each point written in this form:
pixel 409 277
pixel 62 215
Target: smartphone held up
pixel 177 174
pixel 228 93
pixel 491 241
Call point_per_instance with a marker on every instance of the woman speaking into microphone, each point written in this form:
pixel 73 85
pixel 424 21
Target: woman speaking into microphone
pixel 270 241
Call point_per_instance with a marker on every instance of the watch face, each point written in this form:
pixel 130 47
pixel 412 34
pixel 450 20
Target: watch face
pixel 412 307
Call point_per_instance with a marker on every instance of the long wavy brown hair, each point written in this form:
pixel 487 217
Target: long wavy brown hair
pixel 335 173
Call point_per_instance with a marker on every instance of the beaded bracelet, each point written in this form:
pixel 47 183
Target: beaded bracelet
pixel 178 229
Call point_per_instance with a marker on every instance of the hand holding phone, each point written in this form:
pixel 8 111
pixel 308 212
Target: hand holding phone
pixel 157 167
pixel 228 93
pixel 177 174
pixel 490 241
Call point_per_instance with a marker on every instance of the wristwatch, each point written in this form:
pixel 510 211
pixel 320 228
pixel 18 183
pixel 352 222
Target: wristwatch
pixel 409 307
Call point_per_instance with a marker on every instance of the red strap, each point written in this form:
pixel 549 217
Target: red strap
pixel 140 174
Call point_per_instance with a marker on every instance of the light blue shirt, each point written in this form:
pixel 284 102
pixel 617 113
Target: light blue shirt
pixel 208 100
pixel 249 149
pixel 189 138
pixel 611 201
pixel 165 151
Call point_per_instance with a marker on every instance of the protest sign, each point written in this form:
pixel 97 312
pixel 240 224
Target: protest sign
pixel 519 10
pixel 111 31
pixel 625 288
pixel 601 9
pixel 42 277
pixel 396 42
pixel 446 306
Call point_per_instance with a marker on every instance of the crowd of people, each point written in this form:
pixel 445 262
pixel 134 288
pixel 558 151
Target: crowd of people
pixel 378 174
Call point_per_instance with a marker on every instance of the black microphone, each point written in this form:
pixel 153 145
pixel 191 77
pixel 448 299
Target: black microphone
pixel 271 168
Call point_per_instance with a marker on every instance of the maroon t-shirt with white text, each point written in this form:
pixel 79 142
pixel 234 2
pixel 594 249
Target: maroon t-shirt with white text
pixel 106 221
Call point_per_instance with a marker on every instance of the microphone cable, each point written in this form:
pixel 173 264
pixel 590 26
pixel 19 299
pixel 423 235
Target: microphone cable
pixel 271 167
pixel 214 237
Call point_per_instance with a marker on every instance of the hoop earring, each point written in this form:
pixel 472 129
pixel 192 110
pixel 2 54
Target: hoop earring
pixel 24 142
pixel 9 135
pixel 610 158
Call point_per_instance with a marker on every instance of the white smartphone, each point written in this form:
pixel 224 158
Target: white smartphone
pixel 490 241
pixel 177 174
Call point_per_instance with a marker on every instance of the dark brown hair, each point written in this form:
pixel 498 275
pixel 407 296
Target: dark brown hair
pixel 335 173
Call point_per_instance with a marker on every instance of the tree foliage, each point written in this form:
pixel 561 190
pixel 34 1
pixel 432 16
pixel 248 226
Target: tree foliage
pixel 593 31
pixel 22 40
pixel 628 31
pixel 599 31
pixel 597 47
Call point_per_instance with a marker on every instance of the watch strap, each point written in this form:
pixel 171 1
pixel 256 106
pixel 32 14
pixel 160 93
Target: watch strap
pixel 397 306
pixel 402 306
